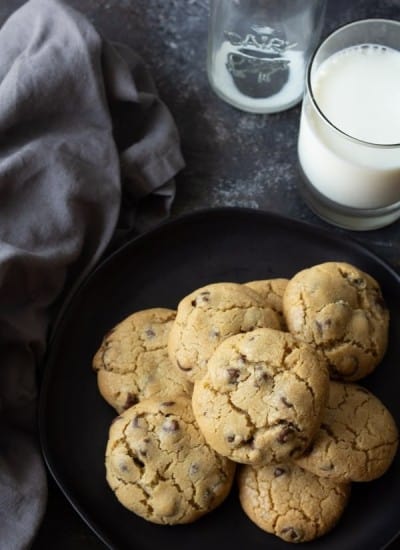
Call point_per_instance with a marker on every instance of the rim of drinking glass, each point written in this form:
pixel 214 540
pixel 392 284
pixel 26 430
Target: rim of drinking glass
pixel 309 85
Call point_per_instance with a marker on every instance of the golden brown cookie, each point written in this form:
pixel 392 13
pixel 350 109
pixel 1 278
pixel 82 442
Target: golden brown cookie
pixel 291 503
pixel 209 315
pixel 340 310
pixel 262 397
pixel 272 291
pixel 159 465
pixel 358 437
pixel 132 362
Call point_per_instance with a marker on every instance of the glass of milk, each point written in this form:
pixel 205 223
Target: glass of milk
pixel 349 138
pixel 258 51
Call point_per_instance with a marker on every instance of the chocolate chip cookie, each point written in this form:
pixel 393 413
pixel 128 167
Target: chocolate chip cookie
pixel 132 362
pixel 262 397
pixel 340 311
pixel 272 291
pixel 159 465
pixel 291 503
pixel 209 315
pixel 358 437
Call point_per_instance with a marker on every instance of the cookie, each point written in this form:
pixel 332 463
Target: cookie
pixel 358 437
pixel 291 503
pixel 262 397
pixel 209 315
pixel 159 465
pixel 132 362
pixel 340 310
pixel 271 291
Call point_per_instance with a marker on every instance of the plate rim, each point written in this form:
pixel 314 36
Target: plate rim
pixel 328 233
pixel 45 367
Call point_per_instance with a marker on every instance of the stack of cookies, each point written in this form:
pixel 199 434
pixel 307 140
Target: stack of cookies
pixel 257 379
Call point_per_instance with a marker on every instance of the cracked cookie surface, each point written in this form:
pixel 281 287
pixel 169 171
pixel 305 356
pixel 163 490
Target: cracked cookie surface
pixel 340 310
pixel 132 362
pixel 358 437
pixel 272 291
pixel 291 503
pixel 209 315
pixel 159 465
pixel 262 397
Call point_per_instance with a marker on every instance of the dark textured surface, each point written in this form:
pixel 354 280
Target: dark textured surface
pixel 233 158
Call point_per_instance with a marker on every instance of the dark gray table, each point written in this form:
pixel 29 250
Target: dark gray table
pixel 233 158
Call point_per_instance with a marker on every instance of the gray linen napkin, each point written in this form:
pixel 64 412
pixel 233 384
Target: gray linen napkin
pixel 87 151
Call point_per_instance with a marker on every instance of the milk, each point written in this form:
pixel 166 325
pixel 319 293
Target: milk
pixel 290 93
pixel 358 90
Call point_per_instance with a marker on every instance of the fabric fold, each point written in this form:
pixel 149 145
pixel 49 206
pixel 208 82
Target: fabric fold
pixel 87 151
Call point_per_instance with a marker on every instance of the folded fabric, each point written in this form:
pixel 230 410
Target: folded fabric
pixel 84 142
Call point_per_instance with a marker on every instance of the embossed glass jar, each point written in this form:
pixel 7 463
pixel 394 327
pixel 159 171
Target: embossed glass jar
pixel 258 51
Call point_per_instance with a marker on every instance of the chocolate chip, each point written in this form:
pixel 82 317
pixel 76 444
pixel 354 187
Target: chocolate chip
pixel 150 333
pixel 215 333
pixel 233 375
pixel 131 399
pixel 285 435
pixel 136 420
pixel 359 282
pixel 323 325
pixel 279 471
pixel 292 534
pixel 170 426
pixel 284 421
pixel 288 431
pixel 193 469
pixel 286 402
pixel 260 376
pixel 167 403
pixel 230 438
pixel 201 298
pixel 123 467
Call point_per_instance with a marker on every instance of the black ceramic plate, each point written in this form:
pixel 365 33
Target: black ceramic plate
pixel 158 269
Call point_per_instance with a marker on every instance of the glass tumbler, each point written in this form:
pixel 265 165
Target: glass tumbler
pixel 258 51
pixel 349 138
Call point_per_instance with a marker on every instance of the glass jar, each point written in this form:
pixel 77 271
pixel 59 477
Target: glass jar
pixel 258 51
